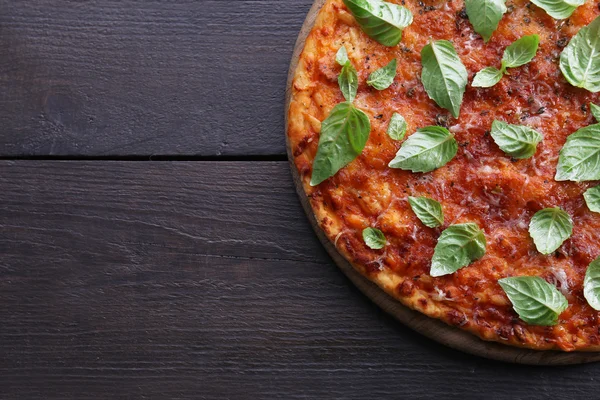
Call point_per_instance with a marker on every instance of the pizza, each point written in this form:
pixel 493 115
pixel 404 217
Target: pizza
pixel 451 153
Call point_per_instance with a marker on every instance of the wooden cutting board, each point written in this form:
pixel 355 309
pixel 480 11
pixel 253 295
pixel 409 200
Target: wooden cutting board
pixel 432 328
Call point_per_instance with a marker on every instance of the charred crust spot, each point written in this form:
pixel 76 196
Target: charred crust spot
pixel 301 146
pixel 456 318
pixel 406 288
pixel 520 333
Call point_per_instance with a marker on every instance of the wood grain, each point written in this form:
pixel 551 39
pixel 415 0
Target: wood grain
pixel 120 78
pixel 432 328
pixel 203 280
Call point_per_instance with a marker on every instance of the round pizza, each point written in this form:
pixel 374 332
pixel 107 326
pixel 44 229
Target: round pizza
pixel 450 150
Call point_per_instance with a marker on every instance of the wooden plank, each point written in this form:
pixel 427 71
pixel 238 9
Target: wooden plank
pixel 204 280
pixel 118 78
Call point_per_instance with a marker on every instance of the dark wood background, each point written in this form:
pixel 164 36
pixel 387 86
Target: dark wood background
pixel 151 242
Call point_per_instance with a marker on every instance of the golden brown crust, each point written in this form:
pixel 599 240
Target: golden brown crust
pixel 480 185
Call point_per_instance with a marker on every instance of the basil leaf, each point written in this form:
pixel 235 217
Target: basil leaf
pixel 595 111
pixel 382 21
pixel 549 228
pixel 383 77
pixel 397 127
pixel 487 77
pixel 520 52
pixel 343 137
pixel 485 15
pixel 580 60
pixel 536 301
pixel 591 284
pixel 427 210
pixel 341 56
pixel 348 81
pixel 444 75
pixel 558 9
pixel 592 198
pixel 515 140
pixel 427 149
pixel 374 238
pixel 457 247
pixel 579 159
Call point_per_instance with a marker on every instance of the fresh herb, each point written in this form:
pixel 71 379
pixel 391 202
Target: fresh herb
pixel 536 301
pixel 518 53
pixel 383 77
pixel 427 210
pixel 427 149
pixel 457 247
pixel 487 77
pixel 591 284
pixel 382 21
pixel 444 75
pixel 341 56
pixel 374 238
pixel 348 78
pixel 579 159
pixel 558 9
pixel 592 198
pixel 515 140
pixel 397 127
pixel 595 111
pixel 580 60
pixel 549 228
pixel 485 15
pixel 348 81
pixel 344 135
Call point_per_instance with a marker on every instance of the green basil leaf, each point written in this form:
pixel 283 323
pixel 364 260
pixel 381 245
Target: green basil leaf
pixel 382 21
pixel 595 111
pixel 536 301
pixel 348 81
pixel 579 159
pixel 487 77
pixel 427 149
pixel 520 52
pixel 344 135
pixel 457 247
pixel 558 9
pixel 580 60
pixel 427 210
pixel 397 127
pixel 549 228
pixel 485 15
pixel 515 140
pixel 591 284
pixel 374 238
pixel 444 75
pixel 341 56
pixel 592 198
pixel 383 77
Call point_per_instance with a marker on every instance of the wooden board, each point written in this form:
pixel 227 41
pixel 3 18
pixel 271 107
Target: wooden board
pixel 429 327
pixel 203 280
pixel 139 78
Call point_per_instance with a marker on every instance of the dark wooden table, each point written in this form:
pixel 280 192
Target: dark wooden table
pixel 151 242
